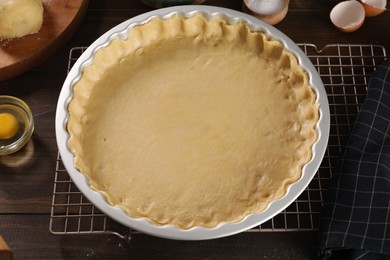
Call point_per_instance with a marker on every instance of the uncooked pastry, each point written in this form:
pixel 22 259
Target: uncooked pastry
pixel 20 17
pixel 192 122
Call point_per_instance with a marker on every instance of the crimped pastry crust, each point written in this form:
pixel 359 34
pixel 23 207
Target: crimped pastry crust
pixel 192 122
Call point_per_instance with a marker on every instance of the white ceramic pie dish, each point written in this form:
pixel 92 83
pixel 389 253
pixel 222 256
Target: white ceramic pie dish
pixel 196 233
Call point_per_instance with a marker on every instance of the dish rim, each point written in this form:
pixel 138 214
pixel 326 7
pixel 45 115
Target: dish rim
pixel 195 233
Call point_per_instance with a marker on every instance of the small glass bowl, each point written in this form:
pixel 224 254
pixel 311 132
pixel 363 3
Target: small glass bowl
pixel 22 112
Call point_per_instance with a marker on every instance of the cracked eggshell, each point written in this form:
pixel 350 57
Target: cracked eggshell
pixel 348 16
pixel 374 7
pixel 270 11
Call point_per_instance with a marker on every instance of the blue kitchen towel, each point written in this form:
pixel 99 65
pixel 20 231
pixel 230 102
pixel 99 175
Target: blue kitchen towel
pixel 355 219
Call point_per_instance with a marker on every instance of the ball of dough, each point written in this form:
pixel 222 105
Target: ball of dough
pixel 20 17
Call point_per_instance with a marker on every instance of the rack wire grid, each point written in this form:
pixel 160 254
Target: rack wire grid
pixel 344 69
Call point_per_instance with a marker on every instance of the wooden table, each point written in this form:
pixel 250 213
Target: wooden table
pixel 26 178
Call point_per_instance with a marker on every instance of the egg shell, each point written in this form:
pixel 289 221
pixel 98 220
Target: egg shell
pixel 348 16
pixel 272 18
pixel 374 7
pixel 265 7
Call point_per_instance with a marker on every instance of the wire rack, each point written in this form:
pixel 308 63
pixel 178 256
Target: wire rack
pixel 344 70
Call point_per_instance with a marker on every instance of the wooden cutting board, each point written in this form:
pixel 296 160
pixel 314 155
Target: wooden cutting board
pixel 5 251
pixel 60 20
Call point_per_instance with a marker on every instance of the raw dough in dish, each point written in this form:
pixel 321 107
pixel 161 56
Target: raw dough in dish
pixel 20 17
pixel 192 122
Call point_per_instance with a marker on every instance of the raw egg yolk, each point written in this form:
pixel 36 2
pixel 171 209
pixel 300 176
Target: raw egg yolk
pixel 9 126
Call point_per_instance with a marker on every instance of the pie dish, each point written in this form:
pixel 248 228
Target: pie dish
pixel 192 122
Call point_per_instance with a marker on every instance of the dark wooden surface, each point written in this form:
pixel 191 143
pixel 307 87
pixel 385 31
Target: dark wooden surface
pixel 26 178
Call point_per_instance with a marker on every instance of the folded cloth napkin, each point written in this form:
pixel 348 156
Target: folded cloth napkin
pixel 355 219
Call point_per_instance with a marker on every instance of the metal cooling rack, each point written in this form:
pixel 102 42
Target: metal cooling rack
pixel 345 71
